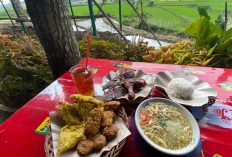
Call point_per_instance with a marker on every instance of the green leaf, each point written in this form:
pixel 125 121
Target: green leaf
pixel 223 46
pixel 207 62
pixel 203 12
pixel 220 21
pixel 201 31
pixel 215 28
pixel 210 51
pixel 159 61
pixel 228 34
pixel 148 58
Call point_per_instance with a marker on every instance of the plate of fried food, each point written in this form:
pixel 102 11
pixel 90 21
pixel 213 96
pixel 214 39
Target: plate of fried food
pixel 126 84
pixel 87 127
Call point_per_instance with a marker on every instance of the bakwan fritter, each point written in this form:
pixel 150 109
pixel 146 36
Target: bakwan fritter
pixel 84 118
pixel 77 113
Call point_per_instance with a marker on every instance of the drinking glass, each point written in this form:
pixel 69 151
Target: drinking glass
pixel 83 79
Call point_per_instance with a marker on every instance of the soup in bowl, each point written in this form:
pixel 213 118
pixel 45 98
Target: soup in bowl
pixel 167 126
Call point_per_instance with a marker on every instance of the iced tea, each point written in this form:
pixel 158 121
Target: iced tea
pixel 83 79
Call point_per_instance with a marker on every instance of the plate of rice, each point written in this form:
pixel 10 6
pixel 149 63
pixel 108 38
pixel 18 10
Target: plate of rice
pixel 184 89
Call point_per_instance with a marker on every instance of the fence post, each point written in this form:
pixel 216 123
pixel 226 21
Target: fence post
pixel 120 15
pixel 92 17
pixel 17 13
pixel 72 12
pixel 7 12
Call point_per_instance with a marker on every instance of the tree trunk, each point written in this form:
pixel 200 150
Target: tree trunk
pixel 19 8
pixel 54 29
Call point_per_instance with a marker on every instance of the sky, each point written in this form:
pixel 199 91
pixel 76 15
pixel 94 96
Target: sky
pixel 8 1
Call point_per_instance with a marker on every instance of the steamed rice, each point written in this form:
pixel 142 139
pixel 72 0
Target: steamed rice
pixel 181 88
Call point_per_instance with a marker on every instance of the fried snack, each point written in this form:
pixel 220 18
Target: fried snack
pixel 111 104
pixel 99 142
pixel 86 99
pixel 69 137
pixel 92 125
pixel 77 113
pixel 59 106
pixel 85 147
pixel 110 132
pixel 107 118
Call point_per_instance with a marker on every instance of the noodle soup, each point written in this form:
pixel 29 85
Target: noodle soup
pixel 165 125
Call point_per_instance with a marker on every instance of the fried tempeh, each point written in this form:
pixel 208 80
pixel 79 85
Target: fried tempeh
pixel 107 118
pixel 92 125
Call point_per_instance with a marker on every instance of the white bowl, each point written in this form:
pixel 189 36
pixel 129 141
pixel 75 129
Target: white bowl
pixel 195 128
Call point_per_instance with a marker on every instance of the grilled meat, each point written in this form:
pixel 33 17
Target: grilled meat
pixel 123 84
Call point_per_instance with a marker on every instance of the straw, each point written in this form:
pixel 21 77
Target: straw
pixel 87 56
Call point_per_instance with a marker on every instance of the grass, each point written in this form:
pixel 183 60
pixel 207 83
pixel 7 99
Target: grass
pixel 109 9
pixel 189 13
pixel 170 20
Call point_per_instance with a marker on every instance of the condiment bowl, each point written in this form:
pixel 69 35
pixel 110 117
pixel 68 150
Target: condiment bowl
pixel 195 128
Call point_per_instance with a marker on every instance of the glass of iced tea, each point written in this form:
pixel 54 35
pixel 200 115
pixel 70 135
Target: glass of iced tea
pixel 83 79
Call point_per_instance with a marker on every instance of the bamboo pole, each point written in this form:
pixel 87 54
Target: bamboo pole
pixel 72 17
pixel 7 12
pixel 92 17
pixel 72 12
pixel 143 21
pixel 109 20
pixel 87 32
pixel 17 13
pixel 120 14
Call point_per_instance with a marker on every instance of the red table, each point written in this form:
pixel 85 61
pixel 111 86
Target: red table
pixel 18 136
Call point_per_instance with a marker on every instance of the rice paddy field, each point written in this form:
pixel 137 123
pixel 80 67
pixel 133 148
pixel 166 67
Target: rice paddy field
pixel 171 14
pixel 175 15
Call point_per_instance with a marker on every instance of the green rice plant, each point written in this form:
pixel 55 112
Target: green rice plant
pixel 188 13
pixel 192 5
pixel 126 21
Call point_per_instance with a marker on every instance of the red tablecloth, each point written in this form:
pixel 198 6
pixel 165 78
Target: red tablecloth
pixel 18 136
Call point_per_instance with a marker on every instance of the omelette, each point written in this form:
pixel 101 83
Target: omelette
pixel 69 137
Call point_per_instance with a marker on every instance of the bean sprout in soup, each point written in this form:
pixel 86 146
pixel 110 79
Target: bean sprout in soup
pixel 165 125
